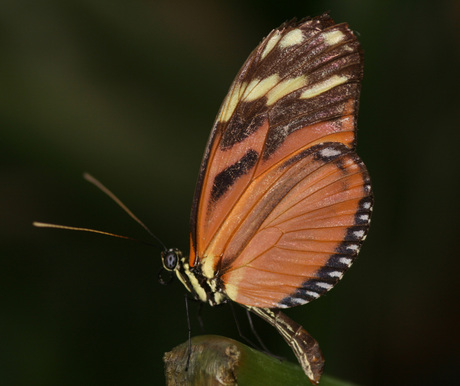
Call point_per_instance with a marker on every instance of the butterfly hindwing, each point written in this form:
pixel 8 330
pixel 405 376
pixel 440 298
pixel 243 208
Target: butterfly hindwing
pixel 307 221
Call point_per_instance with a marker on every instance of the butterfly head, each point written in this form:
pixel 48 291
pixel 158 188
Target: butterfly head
pixel 171 259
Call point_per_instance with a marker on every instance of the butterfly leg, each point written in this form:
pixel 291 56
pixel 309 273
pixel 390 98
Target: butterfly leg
pixel 199 316
pixel 240 332
pixel 189 333
pixel 259 339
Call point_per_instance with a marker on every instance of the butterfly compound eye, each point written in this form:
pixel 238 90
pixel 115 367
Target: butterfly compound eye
pixel 170 259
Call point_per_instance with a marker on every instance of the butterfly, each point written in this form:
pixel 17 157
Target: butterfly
pixel 283 202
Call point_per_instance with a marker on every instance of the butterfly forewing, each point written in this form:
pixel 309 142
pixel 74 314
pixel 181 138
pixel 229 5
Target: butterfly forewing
pixel 282 201
pixel 298 88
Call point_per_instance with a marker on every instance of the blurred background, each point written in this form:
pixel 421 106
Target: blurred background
pixel 128 91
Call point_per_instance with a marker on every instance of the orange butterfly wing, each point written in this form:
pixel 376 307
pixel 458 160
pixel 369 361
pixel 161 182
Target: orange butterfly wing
pixel 256 221
pixel 310 215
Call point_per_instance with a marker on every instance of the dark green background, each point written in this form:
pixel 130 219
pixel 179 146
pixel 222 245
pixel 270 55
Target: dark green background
pixel 128 92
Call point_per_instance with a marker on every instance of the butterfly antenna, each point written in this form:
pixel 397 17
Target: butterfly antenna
pixel 88 177
pixel 47 225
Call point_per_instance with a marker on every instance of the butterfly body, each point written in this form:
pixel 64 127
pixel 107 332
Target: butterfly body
pixel 202 288
pixel 283 202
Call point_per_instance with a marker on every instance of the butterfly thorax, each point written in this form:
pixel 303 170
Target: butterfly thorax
pixel 207 290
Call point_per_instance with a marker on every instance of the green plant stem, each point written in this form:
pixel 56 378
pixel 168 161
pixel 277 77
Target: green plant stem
pixel 217 360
